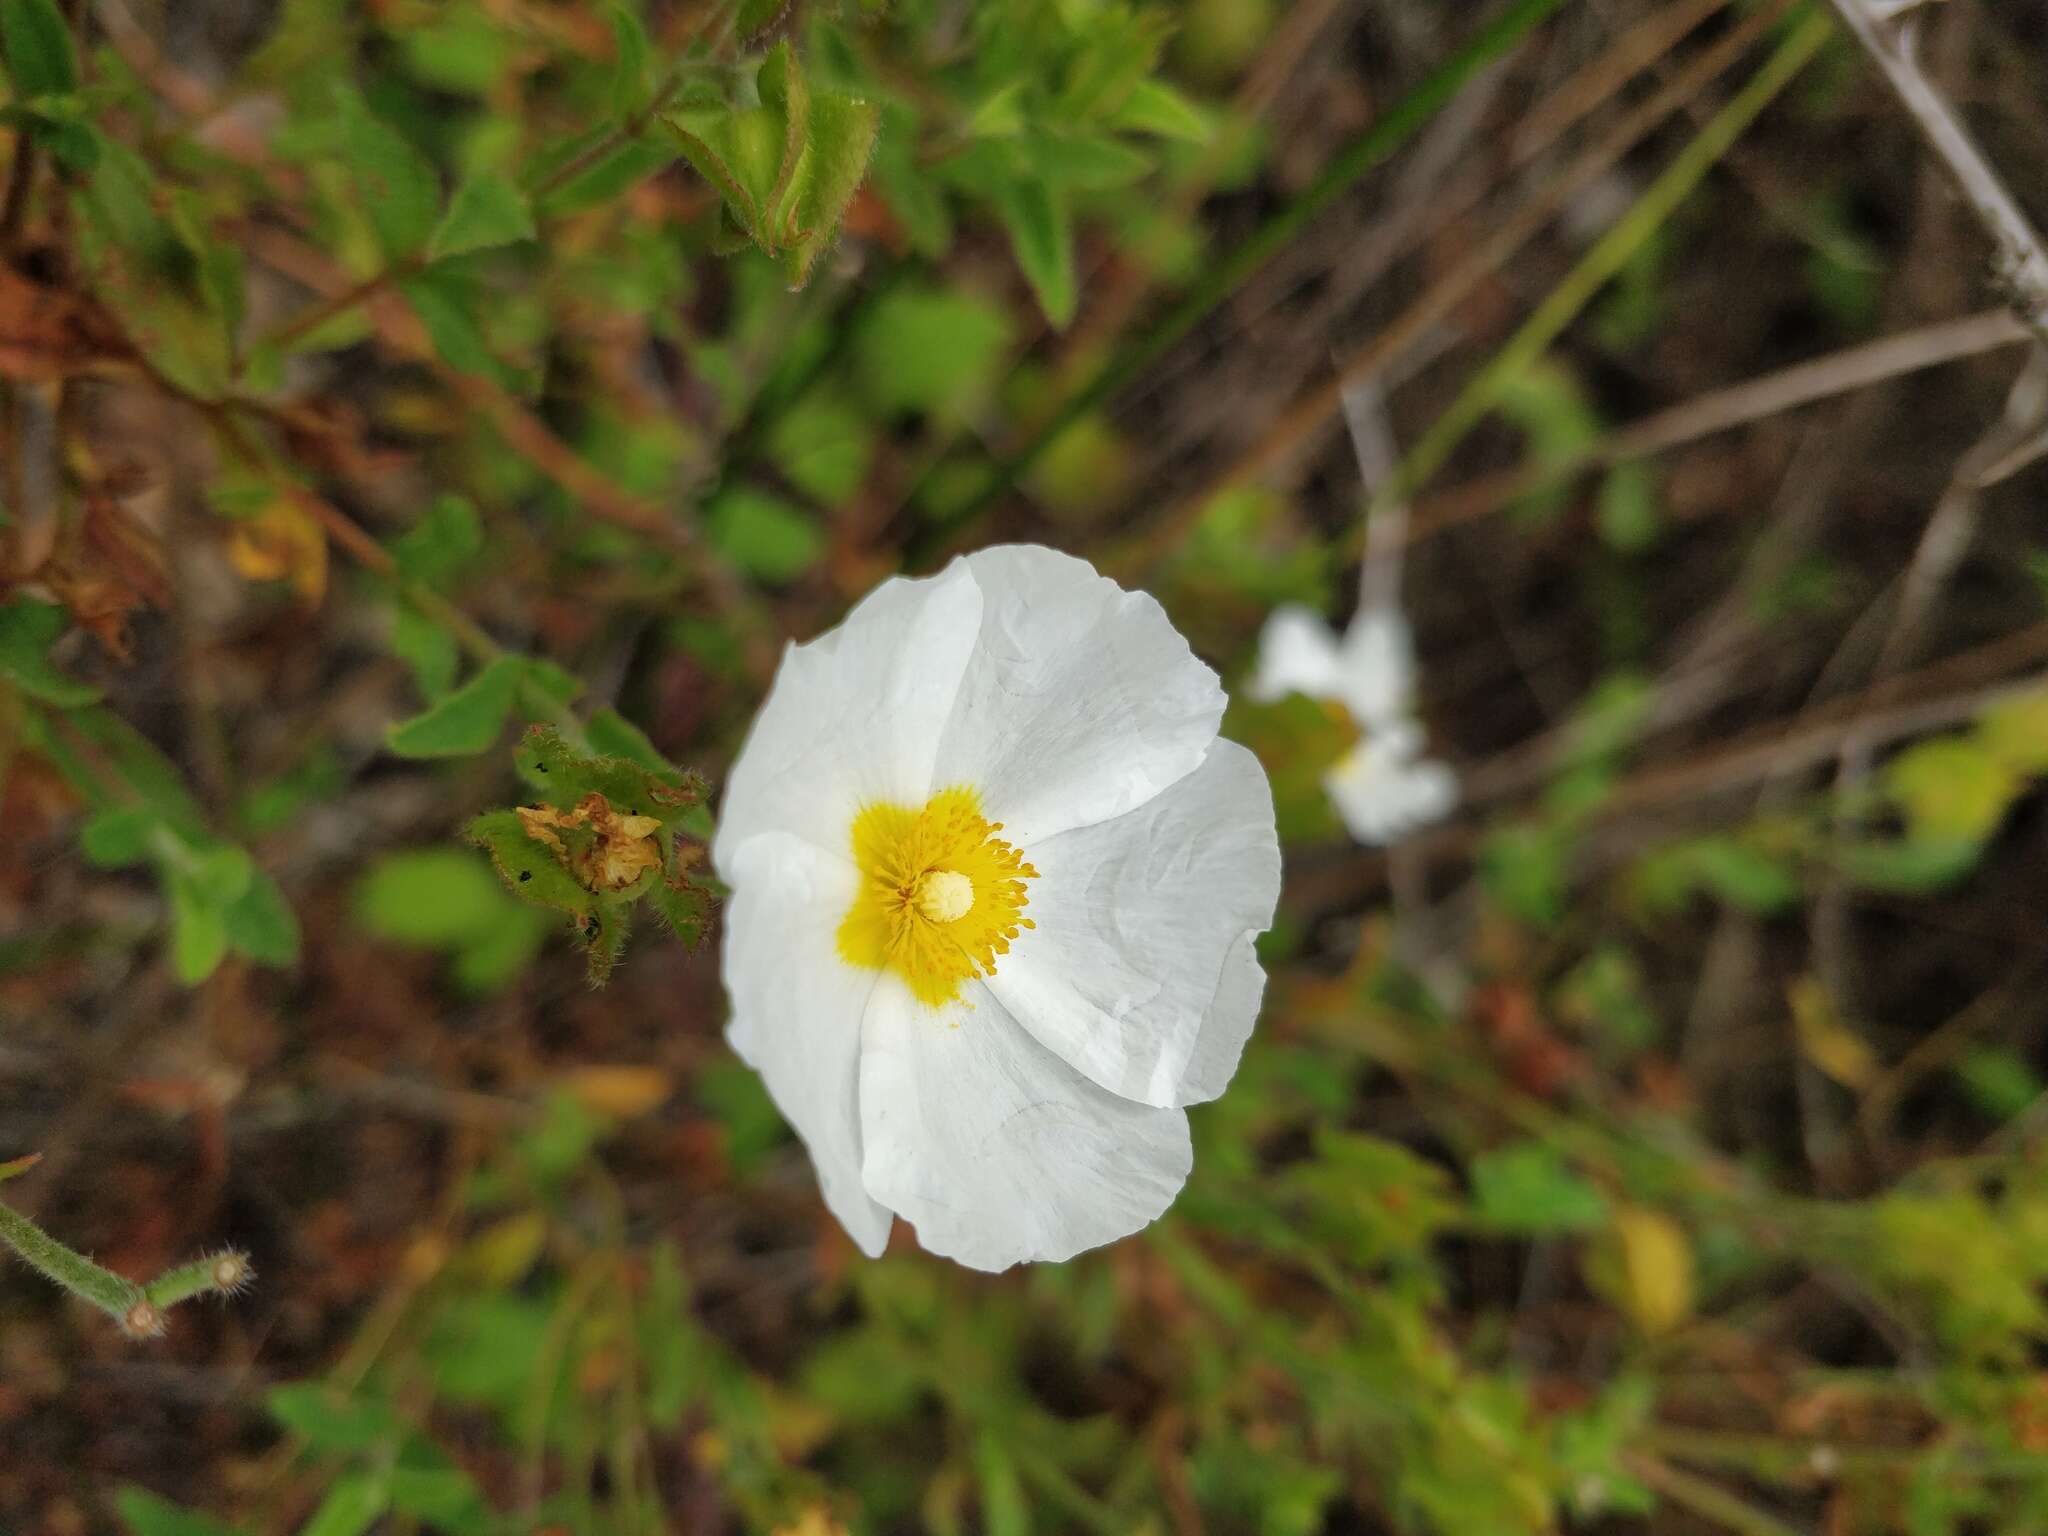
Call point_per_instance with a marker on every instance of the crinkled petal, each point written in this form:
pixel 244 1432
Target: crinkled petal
pixel 1141 972
pixel 1297 654
pixel 796 1009
pixel 1382 795
pixel 997 1150
pixel 854 716
pixel 1378 664
pixel 1081 701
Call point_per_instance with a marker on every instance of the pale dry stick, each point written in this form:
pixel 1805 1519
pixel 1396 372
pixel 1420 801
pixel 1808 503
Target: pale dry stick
pixel 1723 410
pixel 2019 262
pixel 1300 423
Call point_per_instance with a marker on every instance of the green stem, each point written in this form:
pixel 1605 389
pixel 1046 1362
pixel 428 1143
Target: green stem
pixel 1607 257
pixel 113 1295
pixel 1387 134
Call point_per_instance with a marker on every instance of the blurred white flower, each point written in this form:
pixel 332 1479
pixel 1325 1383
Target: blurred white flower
pixel 995 884
pixel 1383 788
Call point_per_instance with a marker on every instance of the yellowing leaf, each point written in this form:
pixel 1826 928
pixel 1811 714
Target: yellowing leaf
pixel 1656 1269
pixel 1825 1040
pixel 503 1252
pixel 282 543
pixel 1952 787
pixel 623 1093
pixel 2015 732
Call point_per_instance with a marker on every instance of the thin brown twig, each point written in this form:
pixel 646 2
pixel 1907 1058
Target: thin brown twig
pixel 1300 422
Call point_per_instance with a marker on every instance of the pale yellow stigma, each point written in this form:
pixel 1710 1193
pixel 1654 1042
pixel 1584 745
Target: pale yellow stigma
pixel 945 895
pixel 941 895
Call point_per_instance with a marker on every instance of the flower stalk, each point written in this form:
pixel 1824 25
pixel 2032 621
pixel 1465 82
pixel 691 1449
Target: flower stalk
pixel 138 1309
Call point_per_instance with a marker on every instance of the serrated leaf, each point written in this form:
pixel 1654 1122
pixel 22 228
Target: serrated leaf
pixel 685 909
pixel 1042 237
pixel 27 631
pixel 1157 108
pixel 37 43
pixel 564 776
pixel 486 211
pixel 467 721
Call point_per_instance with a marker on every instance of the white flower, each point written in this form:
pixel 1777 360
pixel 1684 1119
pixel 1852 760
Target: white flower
pixel 1383 788
pixel 995 886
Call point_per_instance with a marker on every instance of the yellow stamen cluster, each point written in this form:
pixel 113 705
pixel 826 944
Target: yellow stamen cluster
pixel 940 894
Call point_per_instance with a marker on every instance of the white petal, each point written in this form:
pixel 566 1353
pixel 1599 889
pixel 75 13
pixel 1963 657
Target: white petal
pixel 1382 795
pixel 854 716
pixel 1297 654
pixel 1081 700
pixel 1141 972
pixel 1379 667
pixel 796 1009
pixel 996 1149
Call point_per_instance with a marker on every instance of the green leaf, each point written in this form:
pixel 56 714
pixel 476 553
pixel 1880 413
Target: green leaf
pixel 1743 876
pixel 823 445
pixel 261 924
pixel 27 631
pixel 1912 866
pixel 37 44
pixel 764 535
pixel 120 836
pixel 431 898
pixel 199 933
pixel 611 734
pixel 446 306
pixel 487 211
pixel 399 190
pixel 606 177
pixel 1157 108
pixel 353 1504
pixel 332 1422
pixel 467 721
pixel 933 350
pixel 1000 115
pixel 425 646
pixel 1042 236
pixel 1528 1188
pixel 147 1515
pixel 2001 1081
pixel 632 60
pixel 437 548
pixel 757 16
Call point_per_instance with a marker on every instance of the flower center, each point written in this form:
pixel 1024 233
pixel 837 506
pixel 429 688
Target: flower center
pixel 945 895
pixel 941 895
